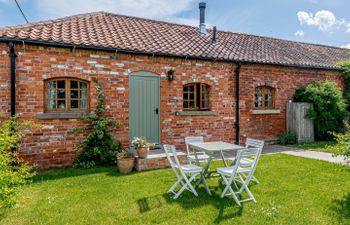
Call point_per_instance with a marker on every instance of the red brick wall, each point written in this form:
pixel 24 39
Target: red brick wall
pixel 53 146
pixel 285 80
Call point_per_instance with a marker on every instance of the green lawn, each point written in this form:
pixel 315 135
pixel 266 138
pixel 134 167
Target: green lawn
pixel 293 190
pixel 320 146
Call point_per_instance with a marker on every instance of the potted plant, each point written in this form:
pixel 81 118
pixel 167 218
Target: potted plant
pixel 125 161
pixel 142 146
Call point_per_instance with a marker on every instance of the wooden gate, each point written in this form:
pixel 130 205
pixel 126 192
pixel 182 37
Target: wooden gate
pixel 298 123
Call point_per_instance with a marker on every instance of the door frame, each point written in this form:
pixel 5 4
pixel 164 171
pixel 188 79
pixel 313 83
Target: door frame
pixel 144 74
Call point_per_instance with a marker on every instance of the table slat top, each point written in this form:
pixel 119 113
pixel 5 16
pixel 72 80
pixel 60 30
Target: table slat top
pixel 215 146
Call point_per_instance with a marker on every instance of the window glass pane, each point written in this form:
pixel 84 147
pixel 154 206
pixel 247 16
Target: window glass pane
pixel 83 93
pixel 192 105
pixel 83 85
pixel 51 84
pixel 192 88
pixel 186 88
pixel 192 96
pixel 61 84
pixel 256 102
pixel 185 104
pixel 83 104
pixel 61 104
pixel 74 104
pixel 74 94
pixel 51 93
pixel 185 96
pixel 258 97
pixel 61 94
pixel 51 104
pixel 73 84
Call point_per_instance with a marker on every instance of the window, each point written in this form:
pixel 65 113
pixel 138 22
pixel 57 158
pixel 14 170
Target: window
pixel 66 95
pixel 196 96
pixel 264 97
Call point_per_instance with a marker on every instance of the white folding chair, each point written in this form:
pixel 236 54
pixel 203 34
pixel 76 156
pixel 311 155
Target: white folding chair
pixel 185 173
pixel 254 143
pixel 202 157
pixel 250 142
pixel 241 173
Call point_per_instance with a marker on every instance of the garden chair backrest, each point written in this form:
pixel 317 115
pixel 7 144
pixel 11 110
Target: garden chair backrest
pixel 171 154
pixel 249 154
pixel 189 140
pixel 250 142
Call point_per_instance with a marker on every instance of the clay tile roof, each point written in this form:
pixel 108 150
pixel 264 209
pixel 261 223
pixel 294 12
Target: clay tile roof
pixel 124 33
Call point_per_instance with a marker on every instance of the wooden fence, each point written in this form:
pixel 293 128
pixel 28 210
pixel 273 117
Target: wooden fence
pixel 298 123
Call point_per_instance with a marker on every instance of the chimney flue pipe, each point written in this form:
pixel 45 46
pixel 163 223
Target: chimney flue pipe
pixel 213 40
pixel 202 28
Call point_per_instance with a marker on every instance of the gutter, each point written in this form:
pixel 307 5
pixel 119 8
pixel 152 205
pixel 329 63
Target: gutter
pixel 73 46
pixel 13 78
pixel 236 124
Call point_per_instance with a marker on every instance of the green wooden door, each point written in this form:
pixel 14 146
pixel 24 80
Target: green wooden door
pixel 144 107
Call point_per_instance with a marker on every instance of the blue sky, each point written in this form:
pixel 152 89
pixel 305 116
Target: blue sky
pixel 317 21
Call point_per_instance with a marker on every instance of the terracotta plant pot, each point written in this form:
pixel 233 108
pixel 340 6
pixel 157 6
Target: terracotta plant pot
pixel 125 165
pixel 142 152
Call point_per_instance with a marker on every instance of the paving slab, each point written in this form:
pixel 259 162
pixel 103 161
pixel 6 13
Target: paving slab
pixel 317 155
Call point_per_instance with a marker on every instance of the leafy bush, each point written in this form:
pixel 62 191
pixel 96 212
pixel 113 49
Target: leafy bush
pixel 99 147
pixel 345 66
pixel 14 173
pixel 329 111
pixel 342 148
pixel 287 138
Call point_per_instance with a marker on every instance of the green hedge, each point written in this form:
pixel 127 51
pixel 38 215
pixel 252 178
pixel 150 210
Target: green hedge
pixel 345 66
pixel 329 111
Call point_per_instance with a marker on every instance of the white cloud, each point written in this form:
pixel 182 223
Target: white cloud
pixel 348 27
pixel 299 33
pixel 154 9
pixel 346 46
pixel 325 20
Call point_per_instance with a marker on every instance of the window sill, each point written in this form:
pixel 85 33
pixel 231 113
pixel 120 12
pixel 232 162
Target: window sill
pixel 266 111
pixel 195 113
pixel 58 115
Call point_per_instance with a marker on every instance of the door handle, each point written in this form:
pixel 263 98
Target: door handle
pixel 156 110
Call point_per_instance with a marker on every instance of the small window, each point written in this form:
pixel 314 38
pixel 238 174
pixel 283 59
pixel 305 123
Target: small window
pixel 264 97
pixel 196 96
pixel 66 95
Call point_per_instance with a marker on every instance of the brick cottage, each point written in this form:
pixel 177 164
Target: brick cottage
pixel 162 80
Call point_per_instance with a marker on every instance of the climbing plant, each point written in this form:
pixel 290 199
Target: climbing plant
pixel 99 147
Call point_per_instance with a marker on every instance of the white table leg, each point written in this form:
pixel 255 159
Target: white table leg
pixel 196 156
pixel 223 158
pixel 206 168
